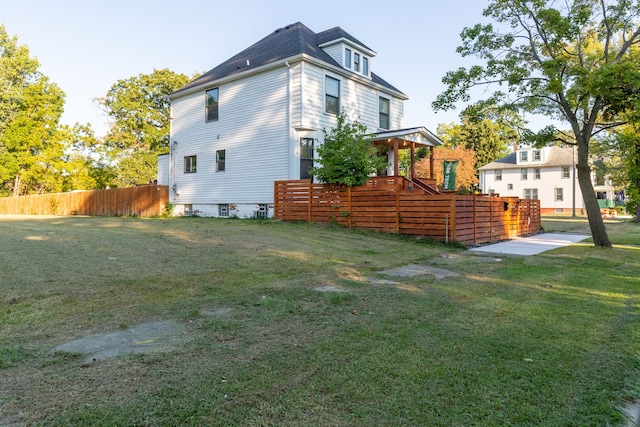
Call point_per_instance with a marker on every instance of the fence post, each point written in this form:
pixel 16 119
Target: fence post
pixel 475 225
pixel 349 206
pixel 490 218
pixel 310 198
pixel 452 210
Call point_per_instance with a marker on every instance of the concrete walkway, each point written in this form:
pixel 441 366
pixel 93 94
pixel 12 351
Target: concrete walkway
pixel 532 245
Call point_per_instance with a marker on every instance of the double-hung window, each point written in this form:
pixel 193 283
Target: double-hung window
pixel 221 156
pixel 356 62
pixel 384 113
pixel 524 174
pixel 365 65
pixel 531 193
pixel 559 194
pixel 524 156
pixel 565 172
pixel 212 105
pixel 332 95
pixel 536 155
pixel 498 175
pixel 347 57
pixel 306 157
pixel 190 164
pixel 536 173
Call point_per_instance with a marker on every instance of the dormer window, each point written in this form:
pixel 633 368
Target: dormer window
pixel 365 65
pixel 347 58
pixel 524 156
pixel 356 62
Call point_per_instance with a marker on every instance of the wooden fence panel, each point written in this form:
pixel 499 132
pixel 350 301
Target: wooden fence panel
pixel 389 204
pixel 144 201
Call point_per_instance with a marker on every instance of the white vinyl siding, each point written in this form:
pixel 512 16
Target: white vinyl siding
pixel 254 132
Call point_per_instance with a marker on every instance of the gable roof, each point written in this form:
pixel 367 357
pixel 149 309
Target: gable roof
pixel 292 40
pixel 557 156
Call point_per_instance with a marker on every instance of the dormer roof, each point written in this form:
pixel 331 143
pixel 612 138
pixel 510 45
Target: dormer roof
pixel 286 42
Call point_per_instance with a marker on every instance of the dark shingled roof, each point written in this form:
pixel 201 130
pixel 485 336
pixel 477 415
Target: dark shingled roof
pixel 294 39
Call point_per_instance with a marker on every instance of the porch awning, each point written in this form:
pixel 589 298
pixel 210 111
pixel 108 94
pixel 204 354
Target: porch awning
pixel 420 136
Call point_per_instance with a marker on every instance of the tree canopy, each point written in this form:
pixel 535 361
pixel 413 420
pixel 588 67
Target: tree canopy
pixel 30 109
pixel 559 59
pixel 347 155
pixel 139 109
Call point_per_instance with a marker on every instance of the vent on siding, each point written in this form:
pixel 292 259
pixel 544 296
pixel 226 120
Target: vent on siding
pixel 223 210
pixel 188 210
pixel 262 211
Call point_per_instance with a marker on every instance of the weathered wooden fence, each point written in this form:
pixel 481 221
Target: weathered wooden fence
pixel 143 200
pixel 391 205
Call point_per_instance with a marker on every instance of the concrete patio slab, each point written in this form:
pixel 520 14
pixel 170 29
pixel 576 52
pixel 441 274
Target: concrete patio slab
pixel 532 245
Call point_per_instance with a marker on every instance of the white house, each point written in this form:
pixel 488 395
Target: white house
pixel 259 116
pixel 547 174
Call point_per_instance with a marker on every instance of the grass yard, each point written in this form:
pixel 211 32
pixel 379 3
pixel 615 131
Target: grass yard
pixel 547 340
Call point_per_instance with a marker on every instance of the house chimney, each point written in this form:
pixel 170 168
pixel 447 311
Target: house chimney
pixel 515 147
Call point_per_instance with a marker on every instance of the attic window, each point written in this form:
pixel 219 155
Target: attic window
pixel 347 58
pixel 365 65
pixel 356 62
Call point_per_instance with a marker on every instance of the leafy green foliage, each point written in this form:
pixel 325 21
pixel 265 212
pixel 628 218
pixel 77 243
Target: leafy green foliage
pixel 347 155
pixel 562 60
pixel 30 108
pixel 139 108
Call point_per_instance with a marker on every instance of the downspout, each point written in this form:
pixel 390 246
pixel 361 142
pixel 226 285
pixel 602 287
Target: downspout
pixel 292 147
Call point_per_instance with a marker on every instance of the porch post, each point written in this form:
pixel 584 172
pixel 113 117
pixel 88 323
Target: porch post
pixel 395 157
pixel 431 163
pixel 413 149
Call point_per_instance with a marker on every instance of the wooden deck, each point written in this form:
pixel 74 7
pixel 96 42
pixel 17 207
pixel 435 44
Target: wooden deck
pixel 396 205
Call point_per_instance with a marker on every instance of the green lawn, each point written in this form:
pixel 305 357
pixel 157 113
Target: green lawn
pixel 547 340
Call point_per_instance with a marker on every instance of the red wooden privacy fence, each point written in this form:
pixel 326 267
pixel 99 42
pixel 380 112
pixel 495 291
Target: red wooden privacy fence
pixel 144 200
pixel 391 204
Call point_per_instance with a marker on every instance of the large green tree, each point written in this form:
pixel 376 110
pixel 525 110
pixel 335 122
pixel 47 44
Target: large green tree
pixel 554 58
pixel 139 111
pixel 31 148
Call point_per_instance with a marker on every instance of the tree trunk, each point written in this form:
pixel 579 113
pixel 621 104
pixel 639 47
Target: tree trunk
pixel 596 223
pixel 17 183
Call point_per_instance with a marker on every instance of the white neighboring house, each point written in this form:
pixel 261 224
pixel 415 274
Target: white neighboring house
pixel 258 117
pixel 547 174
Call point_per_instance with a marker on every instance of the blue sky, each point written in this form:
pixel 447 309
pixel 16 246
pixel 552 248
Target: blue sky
pixel 85 46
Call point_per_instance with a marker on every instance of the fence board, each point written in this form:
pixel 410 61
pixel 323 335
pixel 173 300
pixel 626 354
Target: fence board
pixel 143 200
pixel 387 204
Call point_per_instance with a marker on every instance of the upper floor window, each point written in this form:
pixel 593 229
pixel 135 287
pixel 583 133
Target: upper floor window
pixel 212 105
pixel 498 175
pixel 365 65
pixel 332 95
pixel 356 62
pixel 190 164
pixel 565 172
pixel 221 156
pixel 536 173
pixel 536 155
pixel 347 58
pixel 524 156
pixel 523 174
pixel 384 113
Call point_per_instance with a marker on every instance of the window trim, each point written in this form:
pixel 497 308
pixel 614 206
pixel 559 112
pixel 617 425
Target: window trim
pixel 524 174
pixel 536 156
pixel 190 164
pixel 558 191
pixel 328 78
pixel 347 57
pixel 498 175
pixel 568 172
pixel 381 114
pixel 524 156
pixel 365 66
pixel 221 162
pixel 216 105
pixel 536 173
pixel 356 62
